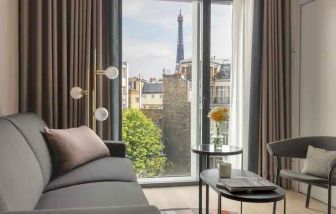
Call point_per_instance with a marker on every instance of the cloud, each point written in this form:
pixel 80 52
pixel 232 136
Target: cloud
pixel 147 58
pixel 157 12
pixel 150 34
pixel 221 31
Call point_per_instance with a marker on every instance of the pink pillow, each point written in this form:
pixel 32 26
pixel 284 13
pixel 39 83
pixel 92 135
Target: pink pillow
pixel 75 146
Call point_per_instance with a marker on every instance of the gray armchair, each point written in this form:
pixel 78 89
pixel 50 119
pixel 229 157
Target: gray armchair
pixel 297 148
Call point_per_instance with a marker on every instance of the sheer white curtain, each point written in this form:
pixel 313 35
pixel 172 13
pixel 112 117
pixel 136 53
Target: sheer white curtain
pixel 242 24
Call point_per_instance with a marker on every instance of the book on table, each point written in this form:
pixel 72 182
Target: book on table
pixel 246 184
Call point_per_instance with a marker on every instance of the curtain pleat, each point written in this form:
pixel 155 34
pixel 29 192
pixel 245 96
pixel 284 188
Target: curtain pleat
pixel 274 90
pixel 62 84
pixel 57 42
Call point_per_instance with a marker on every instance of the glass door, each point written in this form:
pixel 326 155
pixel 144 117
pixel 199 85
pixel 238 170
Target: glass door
pixel 163 84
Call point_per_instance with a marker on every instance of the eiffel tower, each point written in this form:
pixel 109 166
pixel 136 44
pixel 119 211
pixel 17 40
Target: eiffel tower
pixel 180 45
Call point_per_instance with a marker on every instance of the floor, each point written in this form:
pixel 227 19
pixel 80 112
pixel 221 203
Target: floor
pixel 187 197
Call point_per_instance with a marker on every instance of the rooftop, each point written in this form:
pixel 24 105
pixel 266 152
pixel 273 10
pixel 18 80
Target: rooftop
pixel 152 88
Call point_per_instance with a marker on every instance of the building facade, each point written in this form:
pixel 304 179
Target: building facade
pixel 152 95
pixel 135 85
pixel 124 85
pixel 220 85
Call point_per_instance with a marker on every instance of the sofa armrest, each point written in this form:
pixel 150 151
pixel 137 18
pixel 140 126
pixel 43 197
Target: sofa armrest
pixel 116 148
pixel 105 210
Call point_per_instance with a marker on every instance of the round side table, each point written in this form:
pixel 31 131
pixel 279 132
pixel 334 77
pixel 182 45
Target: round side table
pixel 206 151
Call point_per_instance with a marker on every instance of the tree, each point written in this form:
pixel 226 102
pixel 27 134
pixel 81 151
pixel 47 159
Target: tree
pixel 144 147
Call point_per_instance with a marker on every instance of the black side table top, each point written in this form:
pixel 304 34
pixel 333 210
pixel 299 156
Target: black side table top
pixel 209 149
pixel 211 177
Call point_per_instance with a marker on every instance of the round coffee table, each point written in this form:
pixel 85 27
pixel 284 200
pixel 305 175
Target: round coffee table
pixel 208 150
pixel 211 178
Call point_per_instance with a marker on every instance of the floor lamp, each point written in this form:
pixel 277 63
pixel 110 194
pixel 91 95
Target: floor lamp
pixel 101 113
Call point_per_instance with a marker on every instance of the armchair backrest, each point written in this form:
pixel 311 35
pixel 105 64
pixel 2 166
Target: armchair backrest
pixel 297 147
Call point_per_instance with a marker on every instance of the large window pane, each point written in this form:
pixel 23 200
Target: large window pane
pixel 162 106
pixel 157 38
pixel 221 52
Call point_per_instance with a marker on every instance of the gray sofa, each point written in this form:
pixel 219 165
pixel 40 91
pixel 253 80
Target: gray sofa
pixel 29 182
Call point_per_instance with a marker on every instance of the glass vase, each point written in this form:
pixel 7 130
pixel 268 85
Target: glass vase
pixel 218 141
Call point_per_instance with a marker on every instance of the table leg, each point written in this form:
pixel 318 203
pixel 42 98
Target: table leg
pixel 219 211
pixel 285 205
pixel 207 188
pixel 274 207
pixel 241 207
pixel 242 161
pixel 200 185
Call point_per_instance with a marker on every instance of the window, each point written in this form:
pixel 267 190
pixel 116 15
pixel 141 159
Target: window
pixel 163 55
pixel 221 52
pixel 222 95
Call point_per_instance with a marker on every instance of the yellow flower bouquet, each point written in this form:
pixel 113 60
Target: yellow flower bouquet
pixel 219 115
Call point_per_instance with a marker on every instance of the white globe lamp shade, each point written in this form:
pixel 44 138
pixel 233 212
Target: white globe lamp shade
pixel 111 72
pixel 76 93
pixel 101 114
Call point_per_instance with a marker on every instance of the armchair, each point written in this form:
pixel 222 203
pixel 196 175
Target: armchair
pixel 297 148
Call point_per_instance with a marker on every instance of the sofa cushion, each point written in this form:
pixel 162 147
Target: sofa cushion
pixel 97 210
pixel 104 169
pixel 100 194
pixel 21 179
pixel 31 127
pixel 76 146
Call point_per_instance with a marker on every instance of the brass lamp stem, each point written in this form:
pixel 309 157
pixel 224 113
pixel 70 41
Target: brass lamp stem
pixel 99 72
pixel 94 92
pixel 87 100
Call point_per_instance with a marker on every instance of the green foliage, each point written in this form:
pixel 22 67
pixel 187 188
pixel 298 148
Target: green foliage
pixel 144 147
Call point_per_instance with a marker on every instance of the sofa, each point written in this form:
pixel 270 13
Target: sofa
pixel 29 182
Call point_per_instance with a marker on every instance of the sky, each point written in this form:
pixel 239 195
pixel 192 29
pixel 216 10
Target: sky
pixel 150 34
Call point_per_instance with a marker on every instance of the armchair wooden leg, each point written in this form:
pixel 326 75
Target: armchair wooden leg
pixel 329 198
pixel 308 195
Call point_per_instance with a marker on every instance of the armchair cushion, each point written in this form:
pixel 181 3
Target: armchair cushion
pixel 318 162
pixel 297 176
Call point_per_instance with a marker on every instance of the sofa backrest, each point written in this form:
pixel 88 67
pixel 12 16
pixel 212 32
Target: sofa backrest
pixel 21 174
pixel 31 127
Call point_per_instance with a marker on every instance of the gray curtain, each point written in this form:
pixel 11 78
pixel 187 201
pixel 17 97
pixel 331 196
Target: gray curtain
pixel 270 117
pixel 57 43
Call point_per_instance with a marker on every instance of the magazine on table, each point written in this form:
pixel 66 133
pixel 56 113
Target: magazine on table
pixel 243 184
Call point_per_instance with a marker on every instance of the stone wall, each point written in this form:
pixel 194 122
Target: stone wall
pixel 155 115
pixel 176 123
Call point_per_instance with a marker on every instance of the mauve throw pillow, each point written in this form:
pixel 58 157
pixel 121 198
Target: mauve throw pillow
pixel 75 146
pixel 318 161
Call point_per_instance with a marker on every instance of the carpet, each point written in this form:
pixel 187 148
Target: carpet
pixel 191 211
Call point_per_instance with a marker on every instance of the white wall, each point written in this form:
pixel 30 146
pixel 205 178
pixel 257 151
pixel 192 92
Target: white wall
pixel 314 74
pixel 8 57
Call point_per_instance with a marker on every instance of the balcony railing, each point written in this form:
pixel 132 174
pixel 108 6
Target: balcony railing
pixel 222 100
